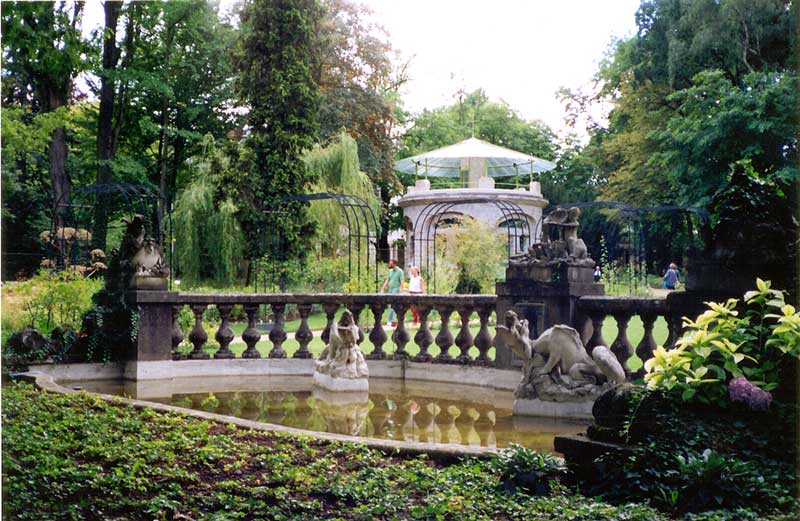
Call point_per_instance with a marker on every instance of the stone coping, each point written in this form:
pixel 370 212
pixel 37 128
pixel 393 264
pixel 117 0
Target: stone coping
pixel 637 305
pixel 174 297
pixel 523 196
pixel 437 451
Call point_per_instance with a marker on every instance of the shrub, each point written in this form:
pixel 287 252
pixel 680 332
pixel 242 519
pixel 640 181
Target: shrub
pixel 54 299
pixel 721 346
pixel 524 470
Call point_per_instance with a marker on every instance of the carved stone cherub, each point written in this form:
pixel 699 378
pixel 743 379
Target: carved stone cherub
pixel 342 358
pixel 556 365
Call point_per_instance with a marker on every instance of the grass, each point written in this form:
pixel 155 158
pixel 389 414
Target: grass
pixel 77 457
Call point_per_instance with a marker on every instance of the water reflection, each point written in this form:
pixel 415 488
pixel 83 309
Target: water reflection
pixel 410 411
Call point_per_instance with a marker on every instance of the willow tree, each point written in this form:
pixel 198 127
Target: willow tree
pixel 337 170
pixel 209 239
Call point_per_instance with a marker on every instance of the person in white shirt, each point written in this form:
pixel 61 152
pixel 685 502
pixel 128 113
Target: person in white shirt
pixel 416 286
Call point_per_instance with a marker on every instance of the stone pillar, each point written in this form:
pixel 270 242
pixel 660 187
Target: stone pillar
pixel 154 338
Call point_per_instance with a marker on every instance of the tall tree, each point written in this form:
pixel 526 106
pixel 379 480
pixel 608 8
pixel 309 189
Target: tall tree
pixel 43 52
pixel 474 115
pixel 276 61
pixel 359 85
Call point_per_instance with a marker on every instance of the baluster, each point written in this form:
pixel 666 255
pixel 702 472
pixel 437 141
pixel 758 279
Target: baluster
pixel 224 334
pixel 621 347
pixel 198 335
pixel 424 337
pixel 177 334
pixel 483 340
pixel 675 326
pixel 330 313
pixel 356 309
pixel 597 330
pixel 645 348
pixel 464 338
pixel 278 334
pixel 400 337
pixel 303 334
pixel 251 336
pixel 445 338
pixel 377 336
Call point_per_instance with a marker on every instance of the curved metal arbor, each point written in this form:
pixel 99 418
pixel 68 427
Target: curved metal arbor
pixel 631 240
pixel 434 213
pixel 362 225
pixel 123 200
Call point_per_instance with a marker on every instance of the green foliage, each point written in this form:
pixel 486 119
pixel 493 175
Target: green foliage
pixel 479 254
pixel 275 61
pixel 691 458
pixel 336 170
pixel 209 239
pixel 527 471
pixel 686 107
pixel 720 346
pixel 473 115
pixel 359 86
pixel 52 299
pixel 99 460
pixel 193 208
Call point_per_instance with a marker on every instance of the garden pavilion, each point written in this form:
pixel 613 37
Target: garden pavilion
pixel 463 178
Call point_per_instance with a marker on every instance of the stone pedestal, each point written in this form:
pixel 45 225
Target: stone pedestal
pixel 557 410
pixel 336 384
pixel 545 297
pixel 148 283
pixel 154 338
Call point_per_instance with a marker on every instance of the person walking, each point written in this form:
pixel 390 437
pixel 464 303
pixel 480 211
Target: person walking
pixel 671 277
pixel 597 273
pixel 393 282
pixel 416 286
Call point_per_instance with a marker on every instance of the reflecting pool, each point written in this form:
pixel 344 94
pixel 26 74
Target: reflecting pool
pixel 417 411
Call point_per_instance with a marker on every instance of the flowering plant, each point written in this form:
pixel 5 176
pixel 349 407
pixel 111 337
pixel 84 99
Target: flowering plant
pixel 741 390
pixel 721 346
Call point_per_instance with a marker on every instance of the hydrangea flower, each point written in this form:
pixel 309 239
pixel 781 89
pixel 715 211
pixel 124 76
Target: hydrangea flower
pixel 741 390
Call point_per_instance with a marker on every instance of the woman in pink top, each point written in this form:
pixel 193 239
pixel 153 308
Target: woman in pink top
pixel 416 286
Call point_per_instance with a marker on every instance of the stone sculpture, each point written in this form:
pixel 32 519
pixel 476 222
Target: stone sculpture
pixel 557 367
pixel 142 257
pixel 341 365
pixel 560 243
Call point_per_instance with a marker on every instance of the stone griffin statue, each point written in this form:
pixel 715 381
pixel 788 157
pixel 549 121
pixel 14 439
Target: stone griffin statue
pixel 556 365
pixel 341 365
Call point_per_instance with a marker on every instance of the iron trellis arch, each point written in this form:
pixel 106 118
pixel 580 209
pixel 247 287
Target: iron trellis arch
pixel 635 230
pixel 77 210
pixel 432 214
pixel 359 218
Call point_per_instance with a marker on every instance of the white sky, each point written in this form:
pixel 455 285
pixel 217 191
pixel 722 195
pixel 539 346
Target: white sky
pixel 518 51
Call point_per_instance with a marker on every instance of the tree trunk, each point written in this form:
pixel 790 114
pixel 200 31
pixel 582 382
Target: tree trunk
pixel 62 187
pixel 105 124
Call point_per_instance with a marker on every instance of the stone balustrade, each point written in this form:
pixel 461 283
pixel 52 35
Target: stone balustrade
pixel 155 328
pixel 595 309
pixel 452 334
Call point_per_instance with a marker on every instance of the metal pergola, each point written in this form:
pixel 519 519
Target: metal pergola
pixel 430 217
pixel 362 226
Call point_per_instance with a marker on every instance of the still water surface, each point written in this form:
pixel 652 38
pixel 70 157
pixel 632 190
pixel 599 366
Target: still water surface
pixel 394 409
